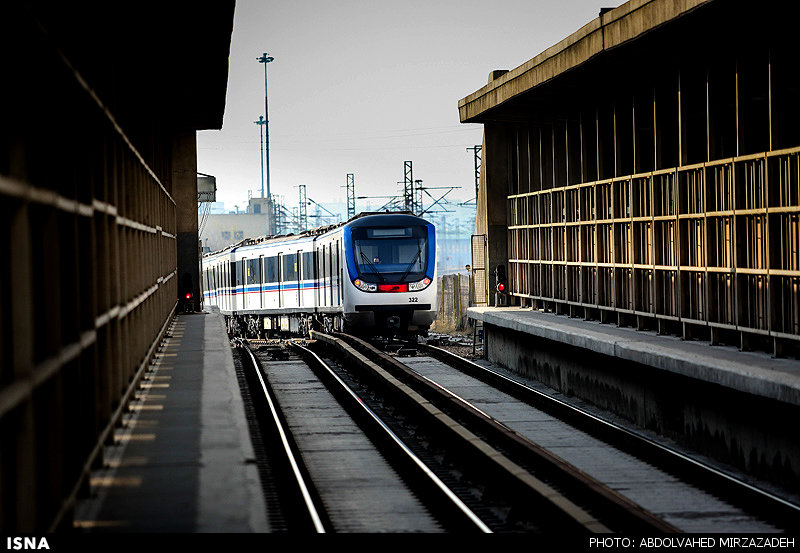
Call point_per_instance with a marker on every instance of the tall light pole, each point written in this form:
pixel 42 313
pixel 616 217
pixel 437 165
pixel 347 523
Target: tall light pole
pixel 261 122
pixel 265 59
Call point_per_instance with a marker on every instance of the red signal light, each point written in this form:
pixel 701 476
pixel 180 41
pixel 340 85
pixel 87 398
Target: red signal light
pixel 500 278
pixel 188 295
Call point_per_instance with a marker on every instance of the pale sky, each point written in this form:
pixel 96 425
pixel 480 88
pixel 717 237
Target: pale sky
pixel 362 86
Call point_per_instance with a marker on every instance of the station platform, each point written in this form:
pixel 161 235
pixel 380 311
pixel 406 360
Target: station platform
pixel 751 372
pixel 182 462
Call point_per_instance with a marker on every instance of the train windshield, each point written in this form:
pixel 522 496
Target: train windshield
pixel 391 255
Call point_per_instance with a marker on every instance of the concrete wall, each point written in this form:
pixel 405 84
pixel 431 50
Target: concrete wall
pixel 453 302
pixel 98 227
pixel 732 426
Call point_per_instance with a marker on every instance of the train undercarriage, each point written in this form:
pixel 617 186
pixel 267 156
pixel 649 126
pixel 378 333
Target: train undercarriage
pixel 387 324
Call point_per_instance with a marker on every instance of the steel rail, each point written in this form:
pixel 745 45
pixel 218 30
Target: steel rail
pixel 441 486
pixel 295 466
pixel 720 482
pixel 523 482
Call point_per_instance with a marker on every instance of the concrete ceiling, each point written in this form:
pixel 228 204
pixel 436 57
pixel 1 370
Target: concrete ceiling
pixel 168 58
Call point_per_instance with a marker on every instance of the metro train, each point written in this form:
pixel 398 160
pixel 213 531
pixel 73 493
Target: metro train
pixel 374 275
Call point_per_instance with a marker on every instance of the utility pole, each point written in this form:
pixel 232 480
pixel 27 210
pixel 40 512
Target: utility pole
pixel 351 196
pixel 417 207
pixel 303 204
pixel 261 122
pixel 477 149
pixel 278 209
pixel 265 59
pixel 408 181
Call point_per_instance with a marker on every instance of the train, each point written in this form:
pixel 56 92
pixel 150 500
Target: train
pixel 373 275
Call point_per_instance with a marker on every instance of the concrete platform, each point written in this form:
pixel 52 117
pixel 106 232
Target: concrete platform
pixel 183 461
pixel 714 401
pixel 750 372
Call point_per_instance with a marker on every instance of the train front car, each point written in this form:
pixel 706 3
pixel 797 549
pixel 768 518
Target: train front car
pixel 391 266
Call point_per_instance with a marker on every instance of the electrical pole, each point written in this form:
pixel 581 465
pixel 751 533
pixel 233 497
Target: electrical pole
pixel 303 204
pixel 265 60
pixel 477 149
pixel 261 122
pixel 417 198
pixel 351 196
pixel 408 181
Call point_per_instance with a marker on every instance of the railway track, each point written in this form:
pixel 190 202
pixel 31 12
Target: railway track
pixel 345 474
pixel 462 442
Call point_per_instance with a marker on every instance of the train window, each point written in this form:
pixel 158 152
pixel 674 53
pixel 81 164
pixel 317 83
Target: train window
pixel 391 255
pixel 240 273
pixel 232 274
pixel 253 272
pixel 290 266
pixel 271 269
pixel 388 232
pixel 308 265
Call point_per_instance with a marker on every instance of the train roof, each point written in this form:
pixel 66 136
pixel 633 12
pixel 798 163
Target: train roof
pixel 384 219
pixel 365 218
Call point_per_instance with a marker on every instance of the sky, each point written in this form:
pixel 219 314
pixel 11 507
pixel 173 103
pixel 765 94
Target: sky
pixel 362 86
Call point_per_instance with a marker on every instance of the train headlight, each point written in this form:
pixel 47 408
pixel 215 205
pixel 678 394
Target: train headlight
pixel 365 286
pixel 420 285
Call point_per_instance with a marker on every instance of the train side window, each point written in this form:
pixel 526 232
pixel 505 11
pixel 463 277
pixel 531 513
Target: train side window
pixel 240 273
pixel 308 265
pixel 290 266
pixel 253 273
pixel 271 270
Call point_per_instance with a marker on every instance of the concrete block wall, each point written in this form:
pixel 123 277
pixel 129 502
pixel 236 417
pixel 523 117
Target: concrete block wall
pixel 454 298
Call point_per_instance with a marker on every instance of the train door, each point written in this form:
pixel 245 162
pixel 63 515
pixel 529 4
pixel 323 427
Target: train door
pixel 338 279
pixel 310 276
pixel 245 280
pixel 330 273
pixel 280 280
pixel 299 278
pixel 226 284
pixel 223 286
pixel 321 281
pixel 241 285
pixel 261 280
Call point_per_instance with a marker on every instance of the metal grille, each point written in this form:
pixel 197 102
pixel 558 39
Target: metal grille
pixel 89 283
pixel 479 291
pixel 712 245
